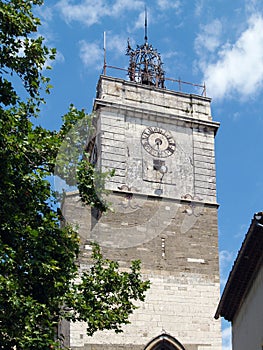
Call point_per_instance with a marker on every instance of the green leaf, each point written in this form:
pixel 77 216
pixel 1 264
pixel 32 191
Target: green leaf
pixel 38 254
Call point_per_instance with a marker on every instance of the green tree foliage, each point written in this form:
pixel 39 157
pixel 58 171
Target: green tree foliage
pixel 38 257
pixel 76 131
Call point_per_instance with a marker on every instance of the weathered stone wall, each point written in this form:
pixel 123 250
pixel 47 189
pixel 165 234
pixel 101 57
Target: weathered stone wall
pixel 148 98
pixel 122 117
pixel 179 254
pixel 204 164
pixel 177 305
pixel 168 221
pixel 161 233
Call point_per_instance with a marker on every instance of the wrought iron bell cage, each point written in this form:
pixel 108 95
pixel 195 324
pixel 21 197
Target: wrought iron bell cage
pixel 145 66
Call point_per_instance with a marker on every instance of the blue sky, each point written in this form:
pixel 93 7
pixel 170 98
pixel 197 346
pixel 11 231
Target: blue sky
pixel 218 42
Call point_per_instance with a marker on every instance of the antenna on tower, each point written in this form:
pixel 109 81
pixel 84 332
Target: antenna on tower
pixel 145 25
pixel 104 50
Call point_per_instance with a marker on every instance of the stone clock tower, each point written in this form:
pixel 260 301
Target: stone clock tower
pixel 163 195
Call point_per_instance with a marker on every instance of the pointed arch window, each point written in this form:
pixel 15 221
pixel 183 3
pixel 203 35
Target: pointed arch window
pixel 164 342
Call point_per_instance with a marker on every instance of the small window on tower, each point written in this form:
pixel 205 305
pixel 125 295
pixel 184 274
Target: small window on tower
pixel 94 155
pixel 92 150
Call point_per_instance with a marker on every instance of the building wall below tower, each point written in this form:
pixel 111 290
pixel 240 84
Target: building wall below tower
pixel 177 244
pixel 247 324
pixel 179 305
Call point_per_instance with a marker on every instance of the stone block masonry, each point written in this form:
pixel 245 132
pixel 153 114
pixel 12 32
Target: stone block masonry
pixel 182 266
pixel 167 219
pixel 123 115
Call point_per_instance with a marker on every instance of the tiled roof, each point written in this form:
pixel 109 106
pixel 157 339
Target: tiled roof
pixel 244 270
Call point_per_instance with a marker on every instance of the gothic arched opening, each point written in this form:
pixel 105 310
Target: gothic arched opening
pixel 164 342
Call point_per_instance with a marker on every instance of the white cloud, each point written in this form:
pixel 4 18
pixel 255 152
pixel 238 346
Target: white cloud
pixel 123 5
pixel 253 6
pixel 199 5
pixel 46 15
pixel 225 257
pixel 91 54
pixel 86 12
pixel 226 338
pixel 140 22
pixel 116 43
pixel 162 5
pixel 238 71
pixel 225 263
pixel 169 58
pixel 168 4
pixel 90 12
pixel 59 57
pixel 169 54
pixel 209 38
pixel 45 12
pixel 242 231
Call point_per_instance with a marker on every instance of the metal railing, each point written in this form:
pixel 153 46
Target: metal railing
pixel 180 83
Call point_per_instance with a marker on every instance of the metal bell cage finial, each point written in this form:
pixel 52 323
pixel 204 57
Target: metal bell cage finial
pixel 145 65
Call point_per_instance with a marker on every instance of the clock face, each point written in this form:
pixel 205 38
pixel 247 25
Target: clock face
pixel 158 142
